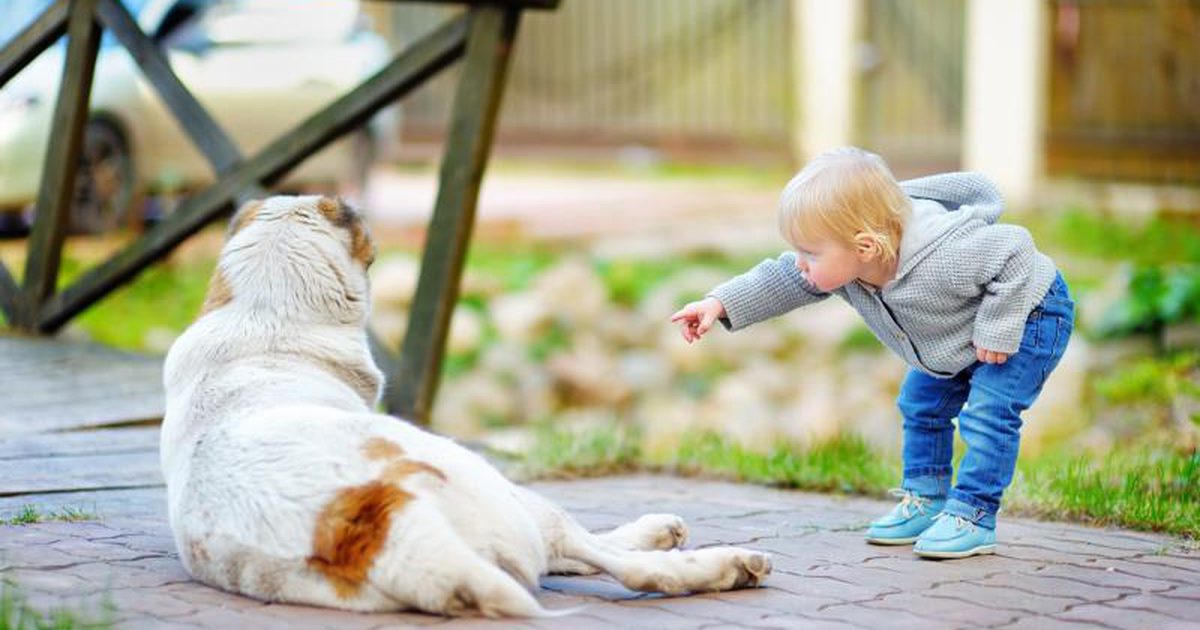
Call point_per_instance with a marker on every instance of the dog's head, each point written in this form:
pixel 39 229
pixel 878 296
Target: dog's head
pixel 304 257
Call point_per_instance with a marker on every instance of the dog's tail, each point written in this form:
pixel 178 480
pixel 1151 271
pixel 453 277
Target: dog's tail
pixel 500 595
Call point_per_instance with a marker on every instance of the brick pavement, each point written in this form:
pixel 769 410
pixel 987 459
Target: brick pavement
pixel 1045 575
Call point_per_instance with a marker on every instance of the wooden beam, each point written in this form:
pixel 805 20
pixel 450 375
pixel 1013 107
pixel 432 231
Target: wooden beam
pixel 30 43
pixel 476 106
pixel 10 293
pixel 62 158
pixel 419 62
pixel 208 136
pixel 515 4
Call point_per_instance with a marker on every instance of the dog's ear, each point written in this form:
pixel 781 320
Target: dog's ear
pixel 341 215
pixel 244 216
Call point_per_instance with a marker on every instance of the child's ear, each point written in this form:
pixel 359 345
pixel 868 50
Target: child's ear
pixel 866 246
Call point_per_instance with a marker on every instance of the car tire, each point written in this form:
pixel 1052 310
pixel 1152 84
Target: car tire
pixel 104 181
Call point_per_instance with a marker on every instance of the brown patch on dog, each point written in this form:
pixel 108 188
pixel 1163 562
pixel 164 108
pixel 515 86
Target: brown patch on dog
pixel 382 448
pixel 337 212
pixel 351 531
pixel 398 470
pixel 219 293
pixel 198 553
pixel 244 216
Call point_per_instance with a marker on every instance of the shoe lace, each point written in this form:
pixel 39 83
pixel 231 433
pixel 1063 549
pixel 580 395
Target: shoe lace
pixel 959 522
pixel 909 501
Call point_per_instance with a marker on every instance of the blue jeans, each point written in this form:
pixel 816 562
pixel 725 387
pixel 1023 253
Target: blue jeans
pixel 990 424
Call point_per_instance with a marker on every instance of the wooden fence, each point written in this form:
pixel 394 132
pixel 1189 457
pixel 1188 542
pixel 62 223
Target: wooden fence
pixel 669 73
pixel 1124 94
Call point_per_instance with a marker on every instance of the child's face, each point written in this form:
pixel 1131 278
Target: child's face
pixel 827 264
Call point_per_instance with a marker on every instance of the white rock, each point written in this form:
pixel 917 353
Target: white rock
pixel 389 325
pixel 572 291
pixel 466 330
pixel 738 410
pixel 394 280
pixel 518 317
pixel 644 371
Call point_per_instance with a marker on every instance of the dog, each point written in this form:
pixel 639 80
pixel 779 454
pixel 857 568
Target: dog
pixel 284 484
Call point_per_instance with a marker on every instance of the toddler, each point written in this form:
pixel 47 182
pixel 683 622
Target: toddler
pixel 980 316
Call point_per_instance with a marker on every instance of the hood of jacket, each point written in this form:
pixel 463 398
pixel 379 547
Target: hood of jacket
pixel 940 205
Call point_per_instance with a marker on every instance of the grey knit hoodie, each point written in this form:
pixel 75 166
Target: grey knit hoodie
pixel 961 281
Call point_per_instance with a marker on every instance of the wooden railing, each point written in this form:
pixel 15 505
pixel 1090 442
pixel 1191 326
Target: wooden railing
pixel 484 35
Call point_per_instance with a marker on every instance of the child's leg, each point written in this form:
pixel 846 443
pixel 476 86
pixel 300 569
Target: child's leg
pixel 928 405
pixel 991 422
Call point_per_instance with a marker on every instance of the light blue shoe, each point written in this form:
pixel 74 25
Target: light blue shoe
pixel 953 536
pixel 913 515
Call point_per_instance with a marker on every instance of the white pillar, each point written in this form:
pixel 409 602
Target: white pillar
pixel 1004 104
pixel 825 36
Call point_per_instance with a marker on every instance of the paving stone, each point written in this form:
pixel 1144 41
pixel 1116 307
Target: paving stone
pixel 942 610
pixel 1003 598
pixel 1055 587
pixel 1125 619
pixel 1047 574
pixel 1181 609
pixel 1100 576
pixel 790 622
pixel 868 617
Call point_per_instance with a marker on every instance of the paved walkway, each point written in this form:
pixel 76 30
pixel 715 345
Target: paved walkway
pixel 1046 575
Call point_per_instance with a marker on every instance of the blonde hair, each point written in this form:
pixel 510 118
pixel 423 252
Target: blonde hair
pixel 843 193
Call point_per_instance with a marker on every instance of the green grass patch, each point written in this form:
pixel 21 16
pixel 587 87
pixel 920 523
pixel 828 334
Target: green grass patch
pixel 17 614
pixel 1151 379
pixel 844 465
pixel 1139 486
pixel 1094 234
pixel 30 514
pixel 166 296
pixel 596 451
pixel 1149 487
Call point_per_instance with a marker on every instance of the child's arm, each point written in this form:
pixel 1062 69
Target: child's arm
pixel 772 288
pixel 1006 261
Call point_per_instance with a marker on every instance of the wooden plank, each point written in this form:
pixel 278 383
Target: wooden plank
pixel 100 442
pixel 419 62
pixel 208 136
pixel 476 106
pixel 107 504
pixel 30 43
pixel 55 385
pixel 79 472
pixel 62 158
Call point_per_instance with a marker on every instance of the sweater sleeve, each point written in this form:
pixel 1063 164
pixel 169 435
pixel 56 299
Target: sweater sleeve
pixel 772 288
pixel 1009 263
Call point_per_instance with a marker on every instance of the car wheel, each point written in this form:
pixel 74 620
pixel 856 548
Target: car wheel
pixel 104 182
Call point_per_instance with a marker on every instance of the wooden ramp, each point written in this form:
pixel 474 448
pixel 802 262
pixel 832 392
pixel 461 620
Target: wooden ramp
pixel 78 425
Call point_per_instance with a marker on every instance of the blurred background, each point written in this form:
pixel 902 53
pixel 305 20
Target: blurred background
pixel 641 147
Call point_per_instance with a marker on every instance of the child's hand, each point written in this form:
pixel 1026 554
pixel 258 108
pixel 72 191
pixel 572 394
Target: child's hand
pixel 990 356
pixel 698 317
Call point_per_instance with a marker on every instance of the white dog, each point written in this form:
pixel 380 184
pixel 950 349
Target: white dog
pixel 283 483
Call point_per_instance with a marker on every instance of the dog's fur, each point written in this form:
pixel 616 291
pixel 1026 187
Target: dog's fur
pixel 284 485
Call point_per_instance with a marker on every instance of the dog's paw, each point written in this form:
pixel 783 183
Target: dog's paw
pixel 654 531
pixel 752 567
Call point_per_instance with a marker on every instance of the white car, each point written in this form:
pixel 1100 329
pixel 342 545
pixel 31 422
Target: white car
pixel 258 66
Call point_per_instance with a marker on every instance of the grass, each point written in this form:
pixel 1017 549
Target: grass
pixel 17 614
pixel 1092 234
pixel 30 514
pixel 1141 486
